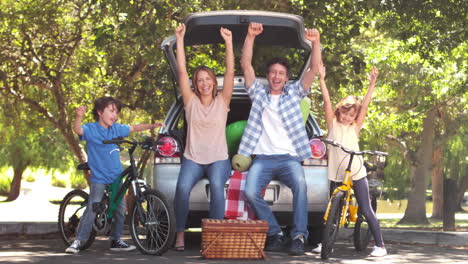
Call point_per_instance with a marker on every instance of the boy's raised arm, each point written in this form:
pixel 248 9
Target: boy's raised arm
pixel 142 127
pixel 77 128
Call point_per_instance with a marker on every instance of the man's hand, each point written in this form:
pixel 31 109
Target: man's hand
pixel 255 29
pixel 312 35
pixel 80 111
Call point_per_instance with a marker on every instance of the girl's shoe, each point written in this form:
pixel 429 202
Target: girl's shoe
pixel 378 252
pixel 317 249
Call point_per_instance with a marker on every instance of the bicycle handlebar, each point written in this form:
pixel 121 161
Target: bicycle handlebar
pixel 149 143
pixel 354 152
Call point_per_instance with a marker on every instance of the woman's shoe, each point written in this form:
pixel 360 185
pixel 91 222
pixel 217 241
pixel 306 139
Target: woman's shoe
pixel 179 248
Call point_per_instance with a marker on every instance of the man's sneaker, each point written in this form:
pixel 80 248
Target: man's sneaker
pixel 317 249
pixel 378 252
pixel 120 245
pixel 74 247
pixel 274 243
pixel 297 246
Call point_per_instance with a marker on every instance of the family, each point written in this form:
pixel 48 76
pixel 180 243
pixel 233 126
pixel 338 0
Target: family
pixel 275 136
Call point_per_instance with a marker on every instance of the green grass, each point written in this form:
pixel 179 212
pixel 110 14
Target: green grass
pixel 434 224
pixel 399 207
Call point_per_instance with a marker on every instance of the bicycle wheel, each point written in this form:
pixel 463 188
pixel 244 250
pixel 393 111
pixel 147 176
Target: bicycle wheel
pixel 362 233
pixel 332 225
pixel 71 210
pixel 153 233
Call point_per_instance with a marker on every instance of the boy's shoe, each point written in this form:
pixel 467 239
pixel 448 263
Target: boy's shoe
pixel 274 243
pixel 120 245
pixel 317 249
pixel 297 246
pixel 378 252
pixel 74 247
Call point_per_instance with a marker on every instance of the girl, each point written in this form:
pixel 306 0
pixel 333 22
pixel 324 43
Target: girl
pixel 344 125
pixel 206 148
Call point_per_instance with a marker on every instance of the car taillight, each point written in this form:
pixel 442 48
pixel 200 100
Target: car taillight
pixel 319 151
pixel 168 151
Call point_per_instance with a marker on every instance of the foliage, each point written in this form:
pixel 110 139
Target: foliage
pixel 5 183
pixel 58 54
pixel 57 182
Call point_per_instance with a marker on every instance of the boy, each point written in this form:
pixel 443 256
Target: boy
pixel 104 161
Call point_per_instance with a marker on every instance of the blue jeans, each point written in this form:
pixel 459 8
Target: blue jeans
pixel 190 173
pixel 96 191
pixel 288 171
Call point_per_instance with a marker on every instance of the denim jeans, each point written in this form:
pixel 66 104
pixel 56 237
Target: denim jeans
pixel 190 173
pixel 288 170
pixel 96 191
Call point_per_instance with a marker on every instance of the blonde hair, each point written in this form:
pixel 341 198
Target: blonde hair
pixel 348 103
pixel 212 76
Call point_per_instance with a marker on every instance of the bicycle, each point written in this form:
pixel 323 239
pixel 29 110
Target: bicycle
pixel 152 221
pixel 343 209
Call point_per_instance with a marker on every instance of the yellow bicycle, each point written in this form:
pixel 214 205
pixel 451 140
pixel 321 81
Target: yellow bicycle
pixel 343 208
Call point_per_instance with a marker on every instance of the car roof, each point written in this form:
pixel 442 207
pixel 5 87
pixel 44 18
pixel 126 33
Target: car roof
pixel 279 29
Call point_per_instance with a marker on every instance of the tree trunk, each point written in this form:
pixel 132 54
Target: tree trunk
pixel 419 172
pixel 74 144
pixel 462 187
pixel 437 184
pixel 16 182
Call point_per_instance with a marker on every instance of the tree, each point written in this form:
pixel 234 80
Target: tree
pixel 27 143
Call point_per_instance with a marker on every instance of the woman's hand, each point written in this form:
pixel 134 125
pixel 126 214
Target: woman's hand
pixel 226 34
pixel 180 31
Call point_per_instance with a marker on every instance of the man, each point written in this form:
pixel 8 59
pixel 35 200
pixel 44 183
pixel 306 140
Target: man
pixel 276 134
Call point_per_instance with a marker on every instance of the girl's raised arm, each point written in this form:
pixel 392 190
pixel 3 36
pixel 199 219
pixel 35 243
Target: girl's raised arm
pixel 329 114
pixel 229 74
pixel 184 82
pixel 365 103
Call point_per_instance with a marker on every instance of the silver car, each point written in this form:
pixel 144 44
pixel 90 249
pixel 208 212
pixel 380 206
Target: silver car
pixel 283 33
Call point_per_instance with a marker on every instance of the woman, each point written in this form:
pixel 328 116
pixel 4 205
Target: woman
pixel 206 148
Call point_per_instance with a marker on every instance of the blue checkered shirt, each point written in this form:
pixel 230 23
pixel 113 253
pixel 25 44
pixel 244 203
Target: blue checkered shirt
pixel 289 110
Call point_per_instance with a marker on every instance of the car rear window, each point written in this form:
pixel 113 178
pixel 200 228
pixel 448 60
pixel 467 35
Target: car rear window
pixel 213 56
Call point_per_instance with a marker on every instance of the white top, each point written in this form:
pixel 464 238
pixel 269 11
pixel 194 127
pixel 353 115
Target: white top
pixel 274 139
pixel 338 159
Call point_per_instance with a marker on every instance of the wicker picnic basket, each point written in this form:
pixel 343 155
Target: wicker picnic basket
pixel 233 239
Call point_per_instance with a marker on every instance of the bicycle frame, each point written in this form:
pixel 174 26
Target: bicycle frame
pixel 130 174
pixel 347 188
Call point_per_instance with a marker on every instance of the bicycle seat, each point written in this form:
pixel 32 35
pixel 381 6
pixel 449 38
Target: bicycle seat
pixel 83 166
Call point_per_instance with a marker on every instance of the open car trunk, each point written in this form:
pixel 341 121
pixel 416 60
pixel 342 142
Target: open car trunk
pixel 279 29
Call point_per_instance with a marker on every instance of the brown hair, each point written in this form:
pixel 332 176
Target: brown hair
pixel 348 103
pixel 210 73
pixel 101 103
pixel 280 61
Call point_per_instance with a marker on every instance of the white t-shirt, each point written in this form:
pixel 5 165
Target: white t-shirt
pixel 338 159
pixel 274 138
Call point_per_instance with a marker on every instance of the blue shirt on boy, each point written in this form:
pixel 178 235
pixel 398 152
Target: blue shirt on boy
pixel 103 159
